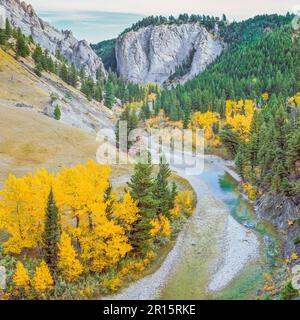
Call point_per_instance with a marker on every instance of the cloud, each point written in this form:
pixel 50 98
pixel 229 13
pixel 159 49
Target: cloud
pixel 233 8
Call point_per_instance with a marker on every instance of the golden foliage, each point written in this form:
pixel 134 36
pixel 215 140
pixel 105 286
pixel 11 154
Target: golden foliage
pixel 69 265
pixel 161 226
pixel 206 121
pixel 239 115
pixel 21 278
pixel 183 204
pixel 112 284
pixel 265 96
pixel 22 210
pixel 250 191
pixel 161 121
pixel 42 280
pixel 126 211
pixel 295 100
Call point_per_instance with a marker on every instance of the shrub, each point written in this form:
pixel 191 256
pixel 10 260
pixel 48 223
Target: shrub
pixel 288 292
pixel 57 113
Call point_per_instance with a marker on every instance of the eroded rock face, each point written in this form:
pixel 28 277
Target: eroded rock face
pixel 279 210
pixel 78 52
pixel 153 53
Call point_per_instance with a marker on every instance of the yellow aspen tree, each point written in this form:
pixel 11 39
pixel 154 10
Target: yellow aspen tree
pixel 42 280
pixel 22 210
pixel 206 121
pixel 21 278
pixel 126 212
pixel 68 264
pixel 183 204
pixel 79 191
pixel 161 226
pixel 166 229
pixel 105 245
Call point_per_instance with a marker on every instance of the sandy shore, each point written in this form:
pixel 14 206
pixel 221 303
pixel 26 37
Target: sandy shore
pixel 238 243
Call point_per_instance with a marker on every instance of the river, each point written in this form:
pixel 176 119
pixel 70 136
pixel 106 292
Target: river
pixel 223 251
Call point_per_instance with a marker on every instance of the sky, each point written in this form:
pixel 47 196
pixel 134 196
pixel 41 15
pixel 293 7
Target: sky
pixel 234 9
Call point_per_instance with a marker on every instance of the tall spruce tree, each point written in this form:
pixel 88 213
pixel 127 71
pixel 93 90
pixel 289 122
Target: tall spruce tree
pixel 8 29
pixel 109 95
pixel 141 189
pixel 22 49
pixel 162 192
pixel 51 233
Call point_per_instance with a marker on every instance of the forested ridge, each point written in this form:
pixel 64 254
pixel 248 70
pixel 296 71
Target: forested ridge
pixel 269 63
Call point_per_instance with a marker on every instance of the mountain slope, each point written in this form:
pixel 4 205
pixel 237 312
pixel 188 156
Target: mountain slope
pixel 77 52
pixel 20 87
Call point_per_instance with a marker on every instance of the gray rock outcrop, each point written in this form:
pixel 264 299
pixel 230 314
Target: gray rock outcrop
pixel 153 53
pixel 279 210
pixel 78 52
pixel 2 278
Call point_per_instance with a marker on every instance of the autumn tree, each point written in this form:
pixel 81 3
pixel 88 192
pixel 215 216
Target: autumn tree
pixel 126 212
pixel 21 279
pixel 22 210
pixel 68 263
pixel 42 281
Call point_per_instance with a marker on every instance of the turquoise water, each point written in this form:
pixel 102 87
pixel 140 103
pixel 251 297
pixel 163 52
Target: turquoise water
pixel 91 26
pixel 247 283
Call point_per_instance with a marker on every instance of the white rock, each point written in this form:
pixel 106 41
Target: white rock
pixel 296 282
pixel 2 278
pixel 151 54
pixel 296 269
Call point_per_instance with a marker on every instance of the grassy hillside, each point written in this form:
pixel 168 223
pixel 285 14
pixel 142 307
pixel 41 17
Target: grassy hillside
pixel 18 84
pixel 29 140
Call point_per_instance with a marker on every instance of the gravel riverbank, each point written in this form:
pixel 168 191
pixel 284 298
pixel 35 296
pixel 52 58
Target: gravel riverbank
pixel 221 246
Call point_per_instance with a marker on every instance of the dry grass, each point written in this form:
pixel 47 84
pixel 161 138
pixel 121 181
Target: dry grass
pixel 18 84
pixel 29 140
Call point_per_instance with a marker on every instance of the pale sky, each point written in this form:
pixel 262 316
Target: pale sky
pixel 234 9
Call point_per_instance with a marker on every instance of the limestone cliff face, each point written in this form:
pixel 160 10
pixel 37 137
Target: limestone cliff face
pixel 78 52
pixel 156 53
pixel 278 210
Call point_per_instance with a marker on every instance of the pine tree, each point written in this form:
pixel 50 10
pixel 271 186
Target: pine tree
pixel 109 95
pixel 51 233
pixel 64 73
pixel 21 46
pixel 8 29
pixel 141 189
pixel 161 191
pixel 73 76
pixel 57 113
pixel 37 55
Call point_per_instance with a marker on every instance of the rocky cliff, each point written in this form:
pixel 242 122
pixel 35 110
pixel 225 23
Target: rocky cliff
pixel 78 52
pixel 166 53
pixel 284 214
